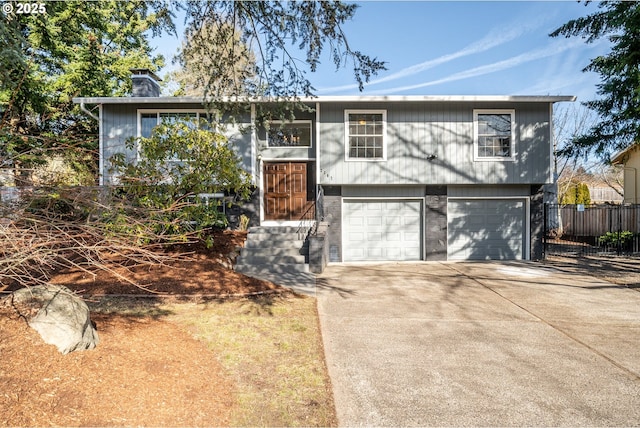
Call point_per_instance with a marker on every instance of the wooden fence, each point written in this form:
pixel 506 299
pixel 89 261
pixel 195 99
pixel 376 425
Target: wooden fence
pixel 592 229
pixel 596 220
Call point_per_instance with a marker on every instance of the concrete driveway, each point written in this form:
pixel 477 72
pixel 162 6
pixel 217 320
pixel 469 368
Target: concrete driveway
pixel 480 344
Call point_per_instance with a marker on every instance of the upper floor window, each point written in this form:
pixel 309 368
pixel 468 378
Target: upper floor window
pixel 366 134
pixel 150 119
pixel 493 134
pixel 290 134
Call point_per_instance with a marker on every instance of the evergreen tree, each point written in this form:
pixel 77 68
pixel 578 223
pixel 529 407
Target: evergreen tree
pixel 79 48
pixel 277 34
pixel 576 192
pixel 76 48
pixel 195 78
pixel 618 107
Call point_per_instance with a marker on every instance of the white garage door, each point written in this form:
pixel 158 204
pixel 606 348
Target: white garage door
pixel 486 229
pixel 382 230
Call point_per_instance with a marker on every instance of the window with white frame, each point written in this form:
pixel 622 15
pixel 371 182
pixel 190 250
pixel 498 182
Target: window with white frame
pixel 289 134
pixel 494 134
pixel 150 119
pixel 366 134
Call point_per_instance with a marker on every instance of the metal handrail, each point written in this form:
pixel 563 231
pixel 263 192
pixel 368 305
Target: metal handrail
pixel 308 225
pixel 307 222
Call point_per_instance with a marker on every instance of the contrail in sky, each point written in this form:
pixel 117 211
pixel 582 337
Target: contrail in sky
pixel 492 68
pixel 494 38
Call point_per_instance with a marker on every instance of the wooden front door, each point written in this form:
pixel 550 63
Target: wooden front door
pixel 285 194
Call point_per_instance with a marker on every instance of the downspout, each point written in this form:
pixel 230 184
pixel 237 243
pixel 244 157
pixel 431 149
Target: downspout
pixel 317 138
pixel 254 147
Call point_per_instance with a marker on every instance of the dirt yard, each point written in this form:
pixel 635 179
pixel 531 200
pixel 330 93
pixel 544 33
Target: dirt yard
pixel 148 370
pixel 623 271
pixel 153 369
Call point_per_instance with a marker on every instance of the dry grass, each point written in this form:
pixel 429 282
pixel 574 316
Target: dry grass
pixel 240 362
pixel 271 348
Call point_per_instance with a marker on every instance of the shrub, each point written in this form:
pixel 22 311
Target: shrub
pixel 177 163
pixel 611 239
pixel 576 193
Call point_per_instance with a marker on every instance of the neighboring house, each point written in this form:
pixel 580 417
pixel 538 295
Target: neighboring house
pixel 630 160
pixel 601 193
pixel 395 177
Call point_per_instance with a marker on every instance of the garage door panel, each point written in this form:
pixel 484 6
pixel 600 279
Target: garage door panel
pixel 356 236
pixel 374 221
pixel 374 252
pixel 393 237
pixel 355 254
pixel 355 221
pixel 391 230
pixel 394 253
pixel 489 229
pixel 374 237
pixel 412 254
pixel 392 221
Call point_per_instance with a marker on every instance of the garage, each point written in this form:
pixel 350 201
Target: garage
pixel 382 230
pixel 487 229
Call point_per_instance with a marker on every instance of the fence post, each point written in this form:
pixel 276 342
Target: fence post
pixel 619 249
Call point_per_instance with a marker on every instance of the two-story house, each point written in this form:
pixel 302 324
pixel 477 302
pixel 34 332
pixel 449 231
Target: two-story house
pixel 395 177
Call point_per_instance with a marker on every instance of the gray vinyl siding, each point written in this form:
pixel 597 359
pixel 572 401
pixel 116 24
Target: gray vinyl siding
pixel 120 122
pixel 383 191
pixel 488 191
pixel 417 130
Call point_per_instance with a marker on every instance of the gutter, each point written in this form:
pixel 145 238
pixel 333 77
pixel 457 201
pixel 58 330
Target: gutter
pixel 336 99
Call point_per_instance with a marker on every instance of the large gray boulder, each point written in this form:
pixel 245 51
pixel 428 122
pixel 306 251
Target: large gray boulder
pixel 60 316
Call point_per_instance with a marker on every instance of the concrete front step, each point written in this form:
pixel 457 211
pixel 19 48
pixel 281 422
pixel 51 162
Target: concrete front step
pixel 280 268
pixel 268 258
pixel 277 254
pixel 265 252
pixel 275 230
pixel 300 282
pixel 271 242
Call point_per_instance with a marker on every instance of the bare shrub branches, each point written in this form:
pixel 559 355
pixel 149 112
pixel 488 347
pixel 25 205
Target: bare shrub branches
pixel 47 230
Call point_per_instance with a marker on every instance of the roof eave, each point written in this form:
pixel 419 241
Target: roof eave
pixel 619 158
pixel 345 98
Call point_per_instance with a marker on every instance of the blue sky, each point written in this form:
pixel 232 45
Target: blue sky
pixel 463 48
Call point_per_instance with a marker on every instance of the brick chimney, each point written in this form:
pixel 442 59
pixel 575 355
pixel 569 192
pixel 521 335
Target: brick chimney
pixel 144 83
